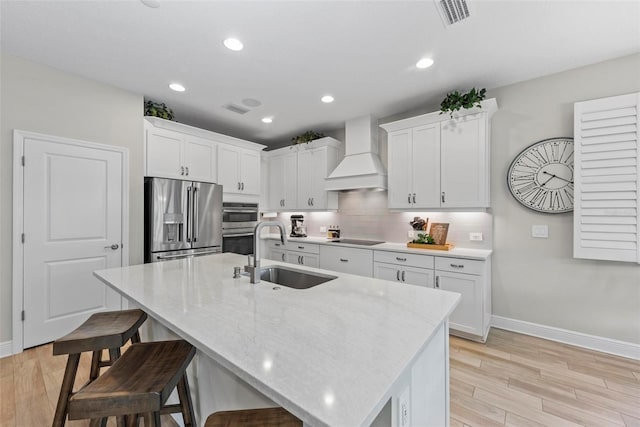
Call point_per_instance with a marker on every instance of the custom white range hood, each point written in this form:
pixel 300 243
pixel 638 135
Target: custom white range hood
pixel 361 167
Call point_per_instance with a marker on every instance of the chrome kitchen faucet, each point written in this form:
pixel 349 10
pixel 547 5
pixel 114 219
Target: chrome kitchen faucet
pixel 254 270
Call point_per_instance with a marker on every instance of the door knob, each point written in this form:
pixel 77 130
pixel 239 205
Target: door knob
pixel 114 246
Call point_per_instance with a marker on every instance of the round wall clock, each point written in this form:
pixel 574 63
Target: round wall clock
pixel 541 176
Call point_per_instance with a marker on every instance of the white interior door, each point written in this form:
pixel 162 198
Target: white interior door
pixel 72 210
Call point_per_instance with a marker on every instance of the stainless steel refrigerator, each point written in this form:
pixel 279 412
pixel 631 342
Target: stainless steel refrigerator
pixel 182 219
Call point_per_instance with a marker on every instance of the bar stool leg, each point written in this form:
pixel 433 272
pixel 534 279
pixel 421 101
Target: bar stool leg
pixel 135 338
pixel 95 365
pixel 66 389
pixel 152 419
pixel 186 405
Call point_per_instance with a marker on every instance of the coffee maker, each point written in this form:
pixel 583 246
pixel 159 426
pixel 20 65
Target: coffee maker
pixel 297 227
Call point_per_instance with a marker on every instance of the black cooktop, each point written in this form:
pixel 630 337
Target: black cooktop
pixel 357 242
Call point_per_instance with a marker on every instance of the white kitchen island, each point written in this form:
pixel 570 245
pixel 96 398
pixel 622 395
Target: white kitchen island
pixel 333 355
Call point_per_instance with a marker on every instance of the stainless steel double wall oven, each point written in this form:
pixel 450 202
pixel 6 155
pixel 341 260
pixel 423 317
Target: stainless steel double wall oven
pixel 238 223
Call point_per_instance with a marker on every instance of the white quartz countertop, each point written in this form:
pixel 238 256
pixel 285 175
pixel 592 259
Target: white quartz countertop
pixel 329 354
pixel 456 252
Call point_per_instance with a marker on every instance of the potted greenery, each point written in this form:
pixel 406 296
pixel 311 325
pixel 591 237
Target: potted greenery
pixel 306 137
pixel 157 109
pixel 454 101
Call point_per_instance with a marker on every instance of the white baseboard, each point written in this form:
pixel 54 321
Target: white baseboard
pixel 6 349
pixel 605 345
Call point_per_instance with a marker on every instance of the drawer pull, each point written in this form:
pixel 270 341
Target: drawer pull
pixel 276 244
pixel 344 260
pixel 300 247
pixel 283 257
pixel 401 259
pixel 457 265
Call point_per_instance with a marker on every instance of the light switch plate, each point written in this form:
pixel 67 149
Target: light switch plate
pixel 540 231
pixel 404 408
pixel 475 237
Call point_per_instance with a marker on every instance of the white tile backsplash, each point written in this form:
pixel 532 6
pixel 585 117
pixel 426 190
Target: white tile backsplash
pixel 364 215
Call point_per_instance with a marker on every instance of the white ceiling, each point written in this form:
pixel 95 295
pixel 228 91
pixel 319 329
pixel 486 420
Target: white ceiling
pixel 361 52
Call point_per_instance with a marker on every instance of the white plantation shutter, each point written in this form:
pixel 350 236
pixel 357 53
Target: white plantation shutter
pixel 607 179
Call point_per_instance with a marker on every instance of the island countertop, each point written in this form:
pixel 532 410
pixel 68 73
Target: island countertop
pixel 329 354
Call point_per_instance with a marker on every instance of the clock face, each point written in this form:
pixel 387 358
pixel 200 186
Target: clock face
pixel 541 176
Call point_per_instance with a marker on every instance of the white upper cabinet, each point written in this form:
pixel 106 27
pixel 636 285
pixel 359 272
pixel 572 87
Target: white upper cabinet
pixel 175 150
pixel 239 170
pixel 297 176
pixel 283 178
pixel 438 162
pixel 413 166
pixel 464 162
pixel 314 165
pixel 172 154
pixel 607 179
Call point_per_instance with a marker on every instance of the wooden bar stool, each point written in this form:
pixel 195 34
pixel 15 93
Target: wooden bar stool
pixel 139 383
pixel 267 417
pixel 102 331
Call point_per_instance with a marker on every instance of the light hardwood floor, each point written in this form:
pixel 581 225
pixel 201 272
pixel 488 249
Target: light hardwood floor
pixel 512 380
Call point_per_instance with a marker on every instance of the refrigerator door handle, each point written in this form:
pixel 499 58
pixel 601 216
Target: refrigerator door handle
pixel 194 209
pixel 189 213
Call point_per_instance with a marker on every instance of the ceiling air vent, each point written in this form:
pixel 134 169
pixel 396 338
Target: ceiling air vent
pixel 236 108
pixel 454 10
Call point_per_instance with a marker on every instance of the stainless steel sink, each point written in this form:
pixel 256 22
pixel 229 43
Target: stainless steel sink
pixel 293 278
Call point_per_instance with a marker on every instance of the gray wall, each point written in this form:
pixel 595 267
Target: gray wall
pixel 537 280
pixel 41 99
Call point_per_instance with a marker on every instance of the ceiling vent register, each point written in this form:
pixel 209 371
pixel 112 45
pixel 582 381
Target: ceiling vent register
pixel 236 108
pixel 454 11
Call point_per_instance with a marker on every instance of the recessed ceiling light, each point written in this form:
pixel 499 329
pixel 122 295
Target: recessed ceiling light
pixel 327 99
pixel 267 119
pixel 177 87
pixel 233 44
pixel 251 102
pixel 424 63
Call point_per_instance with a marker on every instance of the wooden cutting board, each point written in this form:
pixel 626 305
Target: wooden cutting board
pixel 445 247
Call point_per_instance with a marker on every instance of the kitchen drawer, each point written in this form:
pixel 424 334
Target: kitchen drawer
pixel 347 260
pixel 400 258
pixel 460 265
pixel 310 248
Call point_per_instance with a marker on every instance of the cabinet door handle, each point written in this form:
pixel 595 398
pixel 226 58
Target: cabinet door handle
pixel 181 170
pixel 282 256
pixel 238 186
pixel 442 197
pixel 312 201
pixel 457 265
pixel 186 169
pixel 299 259
pixel 414 197
pixel 344 260
pixel 242 186
pixel 409 198
pixel 309 201
pixel 398 275
pixel 403 275
pixel 437 281
pixel 401 259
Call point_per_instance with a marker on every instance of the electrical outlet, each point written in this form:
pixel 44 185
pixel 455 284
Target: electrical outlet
pixel 323 229
pixel 404 408
pixel 475 237
pixel 540 231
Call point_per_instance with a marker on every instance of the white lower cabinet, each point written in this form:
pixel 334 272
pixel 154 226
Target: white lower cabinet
pixel 347 260
pixel 412 269
pixel 294 253
pixel 302 258
pixel 472 280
